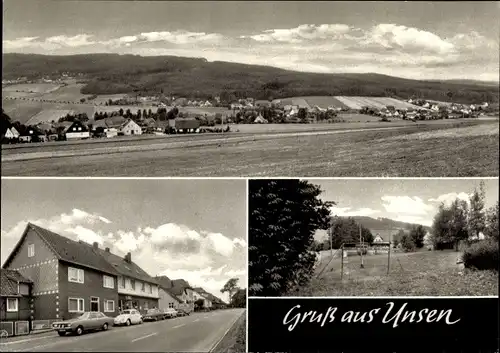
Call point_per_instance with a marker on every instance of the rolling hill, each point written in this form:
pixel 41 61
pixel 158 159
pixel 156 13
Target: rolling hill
pixel 196 77
pixel 385 227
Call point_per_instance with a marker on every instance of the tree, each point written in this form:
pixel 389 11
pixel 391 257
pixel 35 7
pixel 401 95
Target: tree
pixel 476 216
pixel 346 230
pixel 230 287
pixel 491 229
pixel 450 224
pixel 121 111
pixel 407 243
pixel 302 114
pixel 396 238
pixel 239 299
pixel 284 215
pixel 417 234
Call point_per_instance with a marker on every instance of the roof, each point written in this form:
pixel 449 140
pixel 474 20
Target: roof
pixel 186 123
pixel 208 295
pixel 115 121
pixel 164 281
pixel 8 282
pixel 67 250
pixel 129 269
pixel 172 293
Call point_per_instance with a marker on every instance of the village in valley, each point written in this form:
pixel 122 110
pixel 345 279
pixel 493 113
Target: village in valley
pixel 135 114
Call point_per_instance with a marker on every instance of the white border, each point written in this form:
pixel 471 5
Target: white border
pixel 247 257
pixel 244 178
pixel 384 298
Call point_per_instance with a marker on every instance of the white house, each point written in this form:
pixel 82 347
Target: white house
pixel 378 239
pixel 207 303
pixel 130 128
pixel 11 133
pixel 168 299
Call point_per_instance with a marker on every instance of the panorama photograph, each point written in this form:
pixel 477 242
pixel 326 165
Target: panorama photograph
pixel 250 89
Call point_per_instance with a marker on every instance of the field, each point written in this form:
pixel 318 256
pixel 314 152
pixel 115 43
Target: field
pixel 424 273
pixel 69 93
pixel 472 150
pixel 351 102
pixel 40 88
pixel 48 115
pixel 102 99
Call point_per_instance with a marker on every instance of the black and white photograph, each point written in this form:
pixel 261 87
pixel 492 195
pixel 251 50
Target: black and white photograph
pixel 123 265
pixel 373 237
pixel 250 88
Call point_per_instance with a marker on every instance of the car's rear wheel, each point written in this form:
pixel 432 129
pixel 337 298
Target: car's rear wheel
pixel 62 333
pixel 128 322
pixel 105 326
pixel 79 330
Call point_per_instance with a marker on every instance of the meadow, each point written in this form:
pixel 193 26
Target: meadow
pixel 472 150
pixel 423 273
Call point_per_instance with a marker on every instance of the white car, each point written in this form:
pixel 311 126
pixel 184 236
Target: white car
pixel 128 317
pixel 170 313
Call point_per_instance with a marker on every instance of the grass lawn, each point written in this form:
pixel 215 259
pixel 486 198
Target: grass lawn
pixel 424 273
pixel 235 340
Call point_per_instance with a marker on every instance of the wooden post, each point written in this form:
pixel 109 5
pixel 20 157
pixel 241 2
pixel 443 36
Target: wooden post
pixel 342 262
pixel 331 241
pixel 362 246
pixel 389 258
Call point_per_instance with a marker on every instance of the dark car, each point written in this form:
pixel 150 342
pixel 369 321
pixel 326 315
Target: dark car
pixel 154 315
pixel 88 321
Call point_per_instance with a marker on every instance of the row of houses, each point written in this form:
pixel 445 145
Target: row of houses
pixel 108 127
pixel 50 277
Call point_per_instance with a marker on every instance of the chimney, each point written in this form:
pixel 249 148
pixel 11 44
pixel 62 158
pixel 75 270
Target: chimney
pixel 107 249
pixel 128 257
pixel 96 245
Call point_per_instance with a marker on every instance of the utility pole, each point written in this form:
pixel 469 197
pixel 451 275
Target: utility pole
pixel 362 246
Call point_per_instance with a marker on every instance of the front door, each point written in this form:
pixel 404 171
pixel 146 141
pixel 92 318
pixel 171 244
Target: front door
pixel 94 304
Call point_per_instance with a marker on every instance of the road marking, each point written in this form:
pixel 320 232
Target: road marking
pixel 225 333
pixel 140 338
pixel 179 326
pixel 205 317
pixel 196 320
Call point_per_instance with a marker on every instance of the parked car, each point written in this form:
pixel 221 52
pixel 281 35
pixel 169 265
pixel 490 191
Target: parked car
pixel 88 321
pixel 153 315
pixel 170 313
pixel 183 312
pixel 128 317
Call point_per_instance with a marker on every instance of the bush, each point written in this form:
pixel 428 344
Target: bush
pixel 482 255
pixel 407 243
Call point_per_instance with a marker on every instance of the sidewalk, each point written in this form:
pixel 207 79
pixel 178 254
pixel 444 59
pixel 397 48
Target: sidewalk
pixel 37 333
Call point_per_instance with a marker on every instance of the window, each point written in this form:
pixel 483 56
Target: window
pixel 31 250
pixel 75 275
pixel 11 304
pixel 143 287
pixel 76 305
pixel 132 284
pixel 109 282
pixel 94 304
pixel 170 305
pixel 122 282
pixel 146 305
pixel 109 306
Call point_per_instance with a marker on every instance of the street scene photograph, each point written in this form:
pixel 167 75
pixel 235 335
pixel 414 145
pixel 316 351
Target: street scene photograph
pixel 122 265
pixel 250 88
pixel 373 237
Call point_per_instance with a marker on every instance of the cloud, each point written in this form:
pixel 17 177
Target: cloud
pixel 74 41
pixel 406 38
pixel 180 37
pixel 406 205
pixel 448 198
pixel 348 212
pixel 425 221
pixel 18 43
pixel 302 33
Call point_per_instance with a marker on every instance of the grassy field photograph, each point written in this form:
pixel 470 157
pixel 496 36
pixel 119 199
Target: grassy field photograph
pixel 373 237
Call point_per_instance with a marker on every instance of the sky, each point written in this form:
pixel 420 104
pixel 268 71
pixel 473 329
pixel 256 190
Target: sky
pixel 406 200
pixel 189 229
pixel 419 40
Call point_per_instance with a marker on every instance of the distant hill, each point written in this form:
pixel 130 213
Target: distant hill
pixel 196 77
pixel 384 226
pixel 470 82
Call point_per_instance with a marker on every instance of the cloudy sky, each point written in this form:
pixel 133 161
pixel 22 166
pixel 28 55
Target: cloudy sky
pixel 406 200
pixel 190 229
pixel 423 40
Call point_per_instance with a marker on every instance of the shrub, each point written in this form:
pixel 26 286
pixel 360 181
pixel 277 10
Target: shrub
pixel 407 243
pixel 482 255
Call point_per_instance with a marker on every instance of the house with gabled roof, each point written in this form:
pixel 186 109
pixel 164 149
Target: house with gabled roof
pixel 136 288
pixel 15 297
pixel 180 288
pixel 69 277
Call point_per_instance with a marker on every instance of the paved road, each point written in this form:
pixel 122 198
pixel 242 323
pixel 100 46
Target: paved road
pixel 198 332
